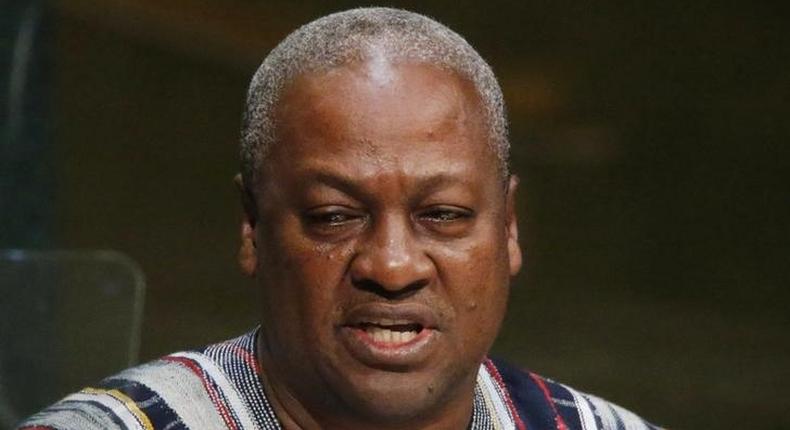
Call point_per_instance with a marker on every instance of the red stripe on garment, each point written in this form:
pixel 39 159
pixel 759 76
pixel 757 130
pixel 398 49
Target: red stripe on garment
pixel 503 388
pixel 212 393
pixel 248 358
pixel 557 418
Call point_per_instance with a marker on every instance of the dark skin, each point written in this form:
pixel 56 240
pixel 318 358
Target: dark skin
pixel 380 209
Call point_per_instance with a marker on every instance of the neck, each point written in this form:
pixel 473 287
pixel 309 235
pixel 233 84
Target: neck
pixel 295 414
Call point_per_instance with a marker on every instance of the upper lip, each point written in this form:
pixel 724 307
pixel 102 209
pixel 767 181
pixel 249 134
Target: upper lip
pixel 391 314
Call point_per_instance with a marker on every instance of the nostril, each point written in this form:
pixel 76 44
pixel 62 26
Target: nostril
pixel 366 284
pixel 389 292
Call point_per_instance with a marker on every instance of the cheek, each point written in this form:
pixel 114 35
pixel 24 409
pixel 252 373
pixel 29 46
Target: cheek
pixel 290 257
pixel 475 277
pixel 301 281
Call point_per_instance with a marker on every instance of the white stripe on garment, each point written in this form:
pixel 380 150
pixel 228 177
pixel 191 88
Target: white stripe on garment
pixel 115 405
pixel 604 412
pixel 617 414
pixel 500 413
pixel 73 415
pixel 611 415
pixel 586 415
pixel 237 404
pixel 181 390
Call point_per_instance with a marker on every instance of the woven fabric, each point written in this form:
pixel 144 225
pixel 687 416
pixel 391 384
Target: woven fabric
pixel 219 387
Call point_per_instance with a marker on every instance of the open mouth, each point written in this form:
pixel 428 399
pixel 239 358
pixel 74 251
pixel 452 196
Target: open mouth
pixel 390 332
pixel 387 336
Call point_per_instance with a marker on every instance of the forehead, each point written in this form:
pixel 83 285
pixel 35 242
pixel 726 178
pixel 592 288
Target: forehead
pixel 377 110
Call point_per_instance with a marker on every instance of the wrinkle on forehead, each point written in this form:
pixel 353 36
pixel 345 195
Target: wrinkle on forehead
pixel 403 170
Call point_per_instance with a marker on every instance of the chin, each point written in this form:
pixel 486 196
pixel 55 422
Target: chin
pixel 401 397
pixel 396 398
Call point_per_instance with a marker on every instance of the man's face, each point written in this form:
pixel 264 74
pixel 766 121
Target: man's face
pixel 385 242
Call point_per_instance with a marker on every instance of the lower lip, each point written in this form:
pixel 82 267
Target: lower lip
pixel 388 355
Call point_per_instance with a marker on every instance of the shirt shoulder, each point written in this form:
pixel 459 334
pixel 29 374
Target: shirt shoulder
pixel 122 401
pixel 546 404
pixel 212 387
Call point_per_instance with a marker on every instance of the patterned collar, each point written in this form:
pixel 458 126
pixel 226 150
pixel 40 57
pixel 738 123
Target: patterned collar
pixel 220 386
pixel 237 360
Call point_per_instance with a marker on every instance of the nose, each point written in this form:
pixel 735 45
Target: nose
pixel 391 262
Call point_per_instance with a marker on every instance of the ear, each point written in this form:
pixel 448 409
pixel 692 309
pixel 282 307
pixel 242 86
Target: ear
pixel 513 249
pixel 248 253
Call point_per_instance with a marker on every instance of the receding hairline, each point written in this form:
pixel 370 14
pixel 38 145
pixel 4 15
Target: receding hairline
pixel 358 71
pixel 319 92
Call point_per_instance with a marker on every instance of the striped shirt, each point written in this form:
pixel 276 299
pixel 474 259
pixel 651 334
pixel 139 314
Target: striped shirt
pixel 219 387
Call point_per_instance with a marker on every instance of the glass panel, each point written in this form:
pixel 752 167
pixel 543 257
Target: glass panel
pixel 69 318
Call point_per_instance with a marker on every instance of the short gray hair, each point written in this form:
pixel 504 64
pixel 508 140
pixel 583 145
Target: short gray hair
pixel 357 35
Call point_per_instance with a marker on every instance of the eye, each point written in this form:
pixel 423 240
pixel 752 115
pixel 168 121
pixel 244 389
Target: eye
pixel 331 220
pixel 442 215
pixel 448 220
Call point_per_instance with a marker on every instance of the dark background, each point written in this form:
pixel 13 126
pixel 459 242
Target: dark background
pixel 651 139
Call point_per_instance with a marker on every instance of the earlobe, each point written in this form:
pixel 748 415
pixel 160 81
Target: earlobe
pixel 248 253
pixel 513 248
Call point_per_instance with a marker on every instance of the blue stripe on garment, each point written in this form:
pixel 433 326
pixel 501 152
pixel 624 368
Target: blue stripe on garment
pixel 527 397
pixel 150 403
pixel 565 404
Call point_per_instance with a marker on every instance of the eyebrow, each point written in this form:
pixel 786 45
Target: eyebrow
pixel 348 185
pixel 335 180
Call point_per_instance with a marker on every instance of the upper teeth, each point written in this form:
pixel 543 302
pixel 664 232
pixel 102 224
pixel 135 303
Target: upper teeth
pixel 384 335
pixel 387 321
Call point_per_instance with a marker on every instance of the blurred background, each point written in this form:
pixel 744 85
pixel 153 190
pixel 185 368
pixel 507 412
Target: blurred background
pixel 651 139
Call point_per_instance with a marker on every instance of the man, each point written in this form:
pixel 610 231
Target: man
pixel 380 226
